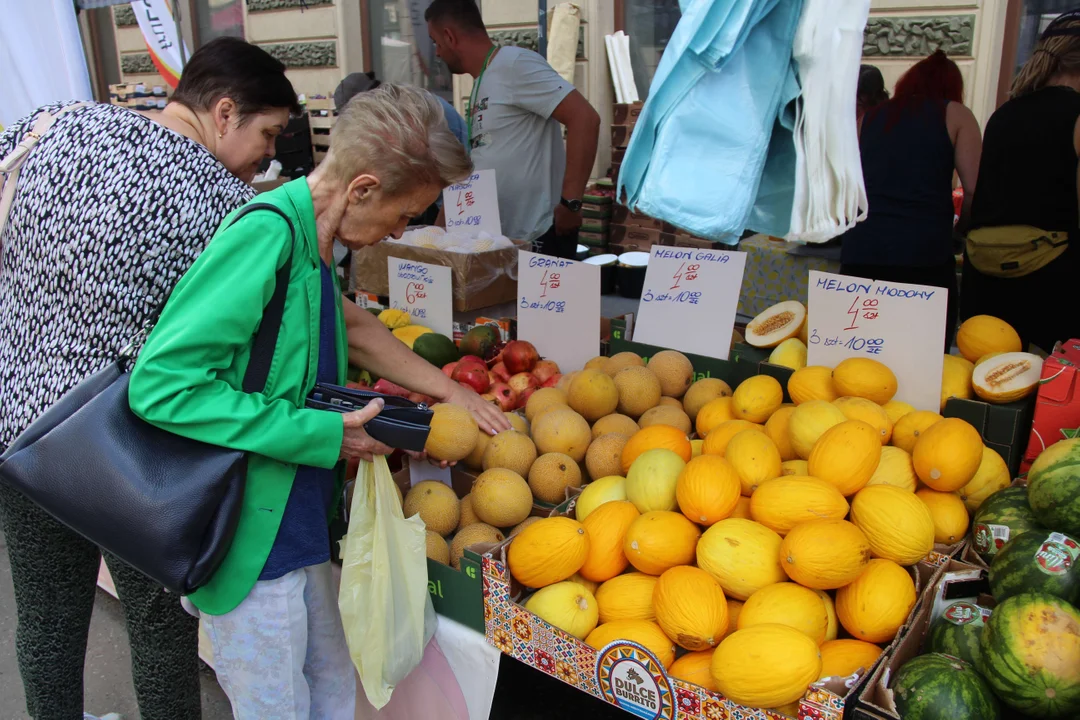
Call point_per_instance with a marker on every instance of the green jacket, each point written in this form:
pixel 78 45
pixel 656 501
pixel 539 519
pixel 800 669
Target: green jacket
pixel 189 374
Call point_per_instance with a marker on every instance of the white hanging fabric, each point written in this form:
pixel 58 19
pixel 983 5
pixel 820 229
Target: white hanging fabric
pixel 41 58
pixel 564 21
pixel 830 196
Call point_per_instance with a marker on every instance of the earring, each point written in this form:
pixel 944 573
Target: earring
pixel 220 135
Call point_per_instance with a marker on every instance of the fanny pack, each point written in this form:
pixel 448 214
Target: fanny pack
pixel 1013 250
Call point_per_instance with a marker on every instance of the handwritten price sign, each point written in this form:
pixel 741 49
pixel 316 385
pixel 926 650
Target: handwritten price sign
pixel 900 325
pixel 689 300
pixel 424 291
pixel 473 204
pixel 559 308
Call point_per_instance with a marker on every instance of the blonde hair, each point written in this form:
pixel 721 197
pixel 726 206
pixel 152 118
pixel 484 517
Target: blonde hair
pixel 398 134
pixel 1058 51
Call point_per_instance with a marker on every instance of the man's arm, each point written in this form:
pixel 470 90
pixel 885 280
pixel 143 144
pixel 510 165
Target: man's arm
pixel 582 124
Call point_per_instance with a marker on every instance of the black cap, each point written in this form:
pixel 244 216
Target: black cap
pixel 353 85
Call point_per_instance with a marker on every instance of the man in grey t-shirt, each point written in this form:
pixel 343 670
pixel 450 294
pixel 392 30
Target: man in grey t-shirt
pixel 514 120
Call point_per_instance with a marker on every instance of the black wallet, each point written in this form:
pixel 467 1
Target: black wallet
pixel 402 424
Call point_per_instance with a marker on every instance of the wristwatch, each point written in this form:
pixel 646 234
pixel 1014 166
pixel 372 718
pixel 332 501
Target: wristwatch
pixel 573 205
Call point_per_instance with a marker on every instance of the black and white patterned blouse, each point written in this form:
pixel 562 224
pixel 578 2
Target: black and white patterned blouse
pixel 110 210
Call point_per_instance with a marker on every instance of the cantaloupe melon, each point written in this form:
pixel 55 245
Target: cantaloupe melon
pixel 501 497
pixel 472 535
pixel 614 423
pixel 776 324
pixel 639 390
pixel 703 392
pixel 620 361
pixel 437 548
pixel 552 475
pixel 562 430
pixel 542 400
pixel 674 370
pixel 604 456
pixel 593 395
pixel 453 433
pixel 436 504
pixel 671 415
pixel 510 450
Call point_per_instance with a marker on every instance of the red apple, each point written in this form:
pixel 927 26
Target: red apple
pixel 501 372
pixel 520 356
pixel 552 381
pixel 506 396
pixel 474 376
pixel 448 368
pixel 489 397
pixel 544 370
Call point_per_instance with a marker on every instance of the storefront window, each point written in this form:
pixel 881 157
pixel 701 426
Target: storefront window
pixel 1034 18
pixel 650 24
pixel 218 18
pixel 401 51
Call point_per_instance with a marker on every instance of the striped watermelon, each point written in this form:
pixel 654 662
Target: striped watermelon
pixel 1031 655
pixel 939 687
pixel 1002 516
pixel 958 631
pixel 1054 487
pixel 1037 561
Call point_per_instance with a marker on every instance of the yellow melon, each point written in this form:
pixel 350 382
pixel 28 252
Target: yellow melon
pixel 871 413
pixel 620 361
pixel 475 459
pixel 865 378
pixel 790 354
pixel 833 627
pixel 510 450
pixel 843 658
pixel 697 448
pixel 523 524
pixel 777 428
pixel 548 551
pixel 754 457
pixel 501 497
pixel 452 435
pixel 948 455
pixel 756 398
pixel 567 606
pixel 468 516
pixel 723 433
pixel 702 393
pixel 436 504
pixel 437 548
pixel 846 456
pixel 794 467
pixel 742 509
pixel 593 395
pixel 897 524
pixel 604 456
pixel 469 536
pixel 614 423
pixel 956 374
pixel 544 399
pixel 734 609
pixel 598 492
pixel 813 382
pixel 562 430
pixel 824 554
pixel 744 556
pixel 659 540
pixel 809 422
pixel 695 668
pixel 776 324
pixel 643 632
pixel 895 468
pixel 656 437
pixel 765 666
pixel 982 334
pixel 949 515
pixel 690 608
pixel 897 409
pixel 666 401
pixel 786 603
pixel 519 423
pixel 638 389
pixel 708 489
pixel 1007 377
pixel 627 597
pixel 551 475
pixel 993 475
pixel 607 528
pixel 784 502
pixel 713 414
pixel 876 604
pixel 568 378
pixel 674 371
pixel 587 584
pixel 650 484
pixel 910 428
pixel 667 415
pixel 597 363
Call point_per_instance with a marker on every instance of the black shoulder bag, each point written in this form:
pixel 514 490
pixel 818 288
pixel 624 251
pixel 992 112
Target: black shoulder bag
pixel 166 505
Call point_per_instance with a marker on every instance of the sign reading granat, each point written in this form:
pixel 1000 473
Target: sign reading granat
pixel 632 679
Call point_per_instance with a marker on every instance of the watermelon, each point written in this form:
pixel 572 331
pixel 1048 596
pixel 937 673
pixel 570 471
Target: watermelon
pixel 1002 516
pixel 939 687
pixel 1037 561
pixel 1054 487
pixel 1031 655
pixel 958 631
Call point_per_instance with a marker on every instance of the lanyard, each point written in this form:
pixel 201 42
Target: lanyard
pixel 471 110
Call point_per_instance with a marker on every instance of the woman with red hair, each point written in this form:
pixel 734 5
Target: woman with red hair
pixel 911 145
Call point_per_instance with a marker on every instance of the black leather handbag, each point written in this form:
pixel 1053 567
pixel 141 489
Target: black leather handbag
pixel 166 505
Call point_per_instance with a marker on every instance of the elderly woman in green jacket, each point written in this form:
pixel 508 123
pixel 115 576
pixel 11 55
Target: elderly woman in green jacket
pixel 270 610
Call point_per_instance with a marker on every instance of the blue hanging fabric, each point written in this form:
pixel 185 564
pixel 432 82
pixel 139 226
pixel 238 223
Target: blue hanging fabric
pixel 712 150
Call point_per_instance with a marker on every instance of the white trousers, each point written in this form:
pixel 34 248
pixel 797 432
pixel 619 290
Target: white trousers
pixel 281 654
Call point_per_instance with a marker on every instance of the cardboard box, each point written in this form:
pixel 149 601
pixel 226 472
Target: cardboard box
pixel 623 215
pixel 1057 405
pixel 637 238
pixel 1004 428
pixel 480 279
pixel 626 113
pixel 593 239
pixel 599 211
pixel 620 136
pixel 689 241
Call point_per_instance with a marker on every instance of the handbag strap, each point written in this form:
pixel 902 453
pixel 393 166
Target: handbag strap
pixel 266 337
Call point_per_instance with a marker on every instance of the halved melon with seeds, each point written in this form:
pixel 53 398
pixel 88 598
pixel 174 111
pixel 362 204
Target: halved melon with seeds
pixel 1007 377
pixel 776 324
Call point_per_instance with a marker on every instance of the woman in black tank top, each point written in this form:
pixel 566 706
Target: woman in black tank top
pixel 1028 176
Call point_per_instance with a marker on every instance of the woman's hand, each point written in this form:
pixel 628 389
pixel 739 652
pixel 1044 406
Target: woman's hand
pixel 422 456
pixel 356 443
pixel 489 417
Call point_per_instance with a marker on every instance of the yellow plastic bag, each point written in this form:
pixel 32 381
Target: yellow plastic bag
pixel 384 601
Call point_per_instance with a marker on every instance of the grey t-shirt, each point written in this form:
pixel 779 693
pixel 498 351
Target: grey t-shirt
pixel 514 134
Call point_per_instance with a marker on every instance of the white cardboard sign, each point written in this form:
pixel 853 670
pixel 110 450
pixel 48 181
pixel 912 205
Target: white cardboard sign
pixel 559 308
pixel 690 299
pixel 473 204
pixel 423 290
pixel 900 325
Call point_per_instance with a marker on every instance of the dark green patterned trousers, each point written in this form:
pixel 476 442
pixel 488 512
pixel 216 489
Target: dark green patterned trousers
pixel 55 576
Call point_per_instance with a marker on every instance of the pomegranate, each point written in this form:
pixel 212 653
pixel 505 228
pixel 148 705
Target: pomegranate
pixel 386 387
pixel 523 381
pixel 552 381
pixel 501 372
pixel 505 395
pixel 472 376
pixel 472 360
pixel 448 368
pixel 544 370
pixel 523 397
pixel 520 356
pixel 421 398
pixel 489 397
